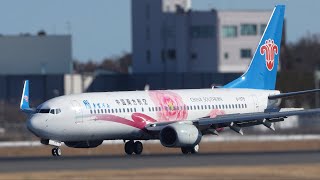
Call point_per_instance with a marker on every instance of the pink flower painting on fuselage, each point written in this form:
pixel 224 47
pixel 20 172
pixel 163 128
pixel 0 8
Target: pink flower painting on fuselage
pixel 171 104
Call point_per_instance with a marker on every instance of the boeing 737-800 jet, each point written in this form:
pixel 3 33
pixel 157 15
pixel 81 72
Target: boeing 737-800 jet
pixel 178 118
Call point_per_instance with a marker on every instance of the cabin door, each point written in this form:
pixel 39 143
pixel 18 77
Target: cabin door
pixel 76 107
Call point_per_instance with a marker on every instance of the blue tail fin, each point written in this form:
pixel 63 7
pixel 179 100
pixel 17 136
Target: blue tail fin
pixel 262 71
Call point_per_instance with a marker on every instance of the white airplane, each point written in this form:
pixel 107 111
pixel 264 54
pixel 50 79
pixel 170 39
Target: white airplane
pixel 179 118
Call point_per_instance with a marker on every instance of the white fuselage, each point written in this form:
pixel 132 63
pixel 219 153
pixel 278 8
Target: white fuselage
pixel 123 115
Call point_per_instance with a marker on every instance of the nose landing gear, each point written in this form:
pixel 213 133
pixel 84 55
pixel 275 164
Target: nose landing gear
pixel 131 147
pixel 56 151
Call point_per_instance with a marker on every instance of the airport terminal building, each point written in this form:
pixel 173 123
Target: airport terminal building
pixel 28 54
pixel 168 36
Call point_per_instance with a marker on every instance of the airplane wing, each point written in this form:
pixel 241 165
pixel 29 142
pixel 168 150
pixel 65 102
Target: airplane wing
pixel 289 94
pixel 237 121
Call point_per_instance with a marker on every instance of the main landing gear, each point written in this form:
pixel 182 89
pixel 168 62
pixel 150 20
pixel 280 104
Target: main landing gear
pixel 131 147
pixel 192 150
pixel 56 151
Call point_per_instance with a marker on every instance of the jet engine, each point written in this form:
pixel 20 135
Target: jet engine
pixel 83 144
pixel 180 135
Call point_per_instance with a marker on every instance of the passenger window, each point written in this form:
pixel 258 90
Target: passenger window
pixel 109 111
pixel 112 111
pixel 52 111
pixel 90 111
pixel 142 109
pixel 135 110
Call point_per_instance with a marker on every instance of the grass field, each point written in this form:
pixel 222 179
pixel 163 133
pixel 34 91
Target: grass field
pixel 279 172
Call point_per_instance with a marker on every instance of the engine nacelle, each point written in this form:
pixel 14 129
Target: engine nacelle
pixel 83 144
pixel 180 135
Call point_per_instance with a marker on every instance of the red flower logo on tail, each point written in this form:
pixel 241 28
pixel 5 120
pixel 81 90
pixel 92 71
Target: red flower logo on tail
pixel 269 49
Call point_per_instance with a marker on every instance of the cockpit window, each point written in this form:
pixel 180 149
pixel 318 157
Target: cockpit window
pixel 43 110
pixel 58 111
pixel 51 111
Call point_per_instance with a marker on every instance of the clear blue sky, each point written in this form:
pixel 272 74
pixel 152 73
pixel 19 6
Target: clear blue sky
pixel 102 28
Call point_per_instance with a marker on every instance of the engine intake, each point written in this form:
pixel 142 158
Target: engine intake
pixel 180 135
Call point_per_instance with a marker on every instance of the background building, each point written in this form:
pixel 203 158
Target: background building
pixel 35 54
pixel 167 36
pixel 239 35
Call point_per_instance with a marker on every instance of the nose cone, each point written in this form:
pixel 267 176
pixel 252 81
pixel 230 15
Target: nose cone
pixel 36 125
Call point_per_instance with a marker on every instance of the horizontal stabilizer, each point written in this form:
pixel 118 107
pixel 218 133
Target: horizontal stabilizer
pixel 284 95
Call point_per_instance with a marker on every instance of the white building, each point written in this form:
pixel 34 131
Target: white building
pixel 35 54
pixel 240 33
pixel 167 36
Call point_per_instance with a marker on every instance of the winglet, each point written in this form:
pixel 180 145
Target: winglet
pixel 24 104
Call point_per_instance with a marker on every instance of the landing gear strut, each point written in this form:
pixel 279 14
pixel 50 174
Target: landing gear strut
pixel 56 151
pixel 192 150
pixel 131 147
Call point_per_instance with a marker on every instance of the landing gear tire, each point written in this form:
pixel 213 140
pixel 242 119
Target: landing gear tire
pixel 184 150
pixel 129 147
pixel 138 147
pixel 195 149
pixel 56 151
pixel 192 150
pixel 53 151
